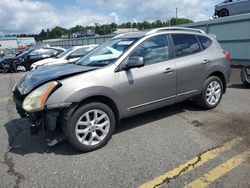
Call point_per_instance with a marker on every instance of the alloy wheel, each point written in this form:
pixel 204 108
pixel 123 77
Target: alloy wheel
pixel 213 93
pixel 92 127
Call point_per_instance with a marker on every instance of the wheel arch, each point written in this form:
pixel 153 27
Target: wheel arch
pixel 222 78
pixel 102 99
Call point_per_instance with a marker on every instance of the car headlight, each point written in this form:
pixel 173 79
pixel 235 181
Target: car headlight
pixel 35 101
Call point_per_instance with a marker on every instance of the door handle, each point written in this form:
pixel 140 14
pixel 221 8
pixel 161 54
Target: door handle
pixel 168 70
pixel 206 61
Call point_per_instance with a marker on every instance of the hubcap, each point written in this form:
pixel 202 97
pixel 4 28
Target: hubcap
pixel 92 127
pixel 213 93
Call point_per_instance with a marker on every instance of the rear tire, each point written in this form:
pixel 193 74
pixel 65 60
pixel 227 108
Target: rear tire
pixel 91 126
pixel 245 77
pixel 211 93
pixel 223 13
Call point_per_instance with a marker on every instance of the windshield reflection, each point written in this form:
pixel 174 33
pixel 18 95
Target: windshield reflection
pixel 106 53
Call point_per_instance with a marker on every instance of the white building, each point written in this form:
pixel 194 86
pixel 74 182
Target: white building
pixel 8 42
pixel 26 41
pixel 14 42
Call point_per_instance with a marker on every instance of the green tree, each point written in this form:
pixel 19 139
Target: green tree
pixel 57 32
pixel 179 21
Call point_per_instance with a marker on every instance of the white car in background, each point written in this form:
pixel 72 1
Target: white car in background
pixel 69 56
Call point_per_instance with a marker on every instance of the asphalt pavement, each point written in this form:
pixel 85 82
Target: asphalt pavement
pixel 176 146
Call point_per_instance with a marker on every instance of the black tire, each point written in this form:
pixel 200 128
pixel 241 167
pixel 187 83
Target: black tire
pixel 245 77
pixel 27 67
pixel 202 99
pixel 223 13
pixel 72 123
pixel 14 68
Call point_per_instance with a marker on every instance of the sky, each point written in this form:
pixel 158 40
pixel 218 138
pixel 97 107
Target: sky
pixel 31 16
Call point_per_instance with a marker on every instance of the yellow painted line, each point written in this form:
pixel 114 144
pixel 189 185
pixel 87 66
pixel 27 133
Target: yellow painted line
pixel 219 171
pixel 191 164
pixel 5 99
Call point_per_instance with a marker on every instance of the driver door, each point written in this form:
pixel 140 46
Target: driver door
pixel 153 85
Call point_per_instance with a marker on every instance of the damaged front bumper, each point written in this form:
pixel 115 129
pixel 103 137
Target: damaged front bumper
pixel 53 117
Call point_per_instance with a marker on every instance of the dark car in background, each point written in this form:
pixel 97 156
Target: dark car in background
pixel 232 7
pixel 27 58
pixel 10 63
pixel 40 54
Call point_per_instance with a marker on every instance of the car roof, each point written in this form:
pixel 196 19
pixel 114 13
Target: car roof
pixel 143 33
pixel 84 46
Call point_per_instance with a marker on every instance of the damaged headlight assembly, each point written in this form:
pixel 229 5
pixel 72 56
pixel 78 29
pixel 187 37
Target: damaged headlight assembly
pixel 36 100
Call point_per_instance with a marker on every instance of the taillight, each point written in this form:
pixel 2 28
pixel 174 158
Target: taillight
pixel 227 54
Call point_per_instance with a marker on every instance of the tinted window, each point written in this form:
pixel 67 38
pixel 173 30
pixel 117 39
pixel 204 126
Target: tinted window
pixel 185 44
pixel 43 52
pixel 153 50
pixel 205 41
pixel 36 52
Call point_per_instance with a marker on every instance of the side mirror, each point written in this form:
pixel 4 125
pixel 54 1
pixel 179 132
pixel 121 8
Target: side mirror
pixel 133 62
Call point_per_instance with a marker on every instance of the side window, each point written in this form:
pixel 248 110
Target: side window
pixel 205 41
pixel 153 50
pixel 36 52
pixel 50 52
pixel 185 44
pixel 80 52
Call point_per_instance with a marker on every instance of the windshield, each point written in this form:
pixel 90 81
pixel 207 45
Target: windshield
pixel 106 53
pixel 64 53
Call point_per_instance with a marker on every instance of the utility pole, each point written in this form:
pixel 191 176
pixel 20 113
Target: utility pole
pixel 176 12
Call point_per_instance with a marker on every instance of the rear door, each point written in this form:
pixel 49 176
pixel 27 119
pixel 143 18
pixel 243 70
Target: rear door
pixel 190 64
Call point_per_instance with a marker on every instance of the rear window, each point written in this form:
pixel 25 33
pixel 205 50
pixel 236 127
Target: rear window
pixel 205 41
pixel 185 44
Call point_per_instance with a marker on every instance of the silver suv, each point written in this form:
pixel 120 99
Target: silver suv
pixel 130 74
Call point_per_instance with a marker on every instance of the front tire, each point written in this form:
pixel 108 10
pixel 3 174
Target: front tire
pixel 245 77
pixel 91 126
pixel 211 94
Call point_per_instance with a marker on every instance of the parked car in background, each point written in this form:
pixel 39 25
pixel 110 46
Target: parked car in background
pixel 40 54
pixel 154 68
pixel 86 33
pixel 245 76
pixel 232 7
pixel 11 63
pixel 69 56
pixel 26 58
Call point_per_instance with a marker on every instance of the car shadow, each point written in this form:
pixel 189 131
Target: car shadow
pixel 237 86
pixel 22 143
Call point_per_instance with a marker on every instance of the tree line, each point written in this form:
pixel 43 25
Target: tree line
pixel 105 29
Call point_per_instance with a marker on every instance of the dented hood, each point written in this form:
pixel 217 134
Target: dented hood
pixel 35 78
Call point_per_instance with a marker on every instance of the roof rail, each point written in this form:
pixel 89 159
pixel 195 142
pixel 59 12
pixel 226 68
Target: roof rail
pixel 174 29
